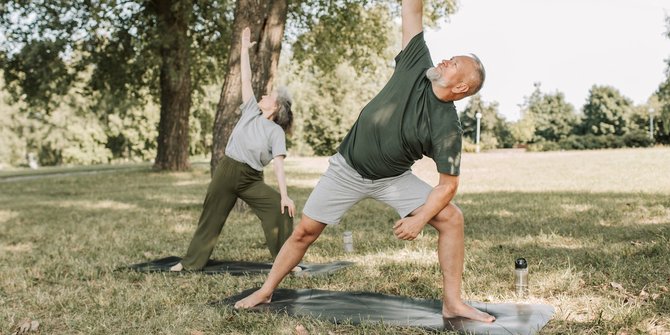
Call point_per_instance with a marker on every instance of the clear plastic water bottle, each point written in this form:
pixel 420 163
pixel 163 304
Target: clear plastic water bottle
pixel 348 241
pixel 521 277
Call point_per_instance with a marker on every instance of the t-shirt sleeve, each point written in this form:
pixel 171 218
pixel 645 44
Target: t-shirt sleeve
pixel 446 144
pixel 278 142
pixel 414 54
pixel 249 107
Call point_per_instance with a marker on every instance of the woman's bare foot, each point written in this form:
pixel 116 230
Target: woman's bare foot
pixel 177 267
pixel 466 311
pixel 254 299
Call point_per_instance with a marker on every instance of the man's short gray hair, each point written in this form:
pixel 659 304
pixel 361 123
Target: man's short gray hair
pixel 480 73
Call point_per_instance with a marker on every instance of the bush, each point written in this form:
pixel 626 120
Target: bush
pixel 591 142
pixel 543 146
pixel 485 143
pixel 638 139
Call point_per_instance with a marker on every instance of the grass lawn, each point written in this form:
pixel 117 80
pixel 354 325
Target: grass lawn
pixel 593 225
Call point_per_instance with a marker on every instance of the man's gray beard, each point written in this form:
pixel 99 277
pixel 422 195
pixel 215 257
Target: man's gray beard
pixel 434 76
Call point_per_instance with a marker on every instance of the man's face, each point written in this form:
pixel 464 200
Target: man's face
pixel 450 72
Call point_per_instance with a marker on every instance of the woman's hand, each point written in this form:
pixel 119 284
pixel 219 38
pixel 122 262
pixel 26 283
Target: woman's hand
pixel 287 203
pixel 246 36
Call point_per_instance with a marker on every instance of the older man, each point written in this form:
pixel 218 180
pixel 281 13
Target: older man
pixel 412 116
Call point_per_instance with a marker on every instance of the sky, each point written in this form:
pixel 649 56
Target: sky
pixel 566 45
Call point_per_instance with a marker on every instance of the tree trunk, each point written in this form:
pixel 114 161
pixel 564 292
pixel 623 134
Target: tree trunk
pixel 175 84
pixel 266 19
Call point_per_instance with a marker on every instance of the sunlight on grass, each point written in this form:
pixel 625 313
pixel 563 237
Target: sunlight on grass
pixel 173 198
pixel 503 213
pixel 652 215
pixel 551 241
pixel 194 182
pixel 20 247
pixel 406 255
pixel 304 183
pixel 183 228
pixel 577 208
pixel 654 326
pixel 87 204
pixel 6 216
pixel 582 308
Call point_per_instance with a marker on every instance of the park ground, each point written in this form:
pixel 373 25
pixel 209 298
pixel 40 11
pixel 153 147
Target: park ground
pixel 593 225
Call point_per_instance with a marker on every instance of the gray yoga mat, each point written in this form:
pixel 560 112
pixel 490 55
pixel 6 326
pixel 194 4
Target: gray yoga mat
pixel 366 307
pixel 234 268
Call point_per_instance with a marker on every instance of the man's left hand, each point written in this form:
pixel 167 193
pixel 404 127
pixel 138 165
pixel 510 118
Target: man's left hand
pixel 408 228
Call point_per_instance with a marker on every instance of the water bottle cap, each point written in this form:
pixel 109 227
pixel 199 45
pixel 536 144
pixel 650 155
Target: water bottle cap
pixel 520 263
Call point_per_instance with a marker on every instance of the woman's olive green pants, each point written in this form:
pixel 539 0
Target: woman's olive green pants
pixel 233 180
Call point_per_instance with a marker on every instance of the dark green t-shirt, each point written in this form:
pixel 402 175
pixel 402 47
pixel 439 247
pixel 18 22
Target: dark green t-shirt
pixel 404 122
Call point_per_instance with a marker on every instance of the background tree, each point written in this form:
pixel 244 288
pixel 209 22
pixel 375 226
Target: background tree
pixel 523 130
pixel 330 104
pixel 662 110
pixel 494 131
pixel 552 117
pixel 13 142
pixel 605 112
pixel 130 52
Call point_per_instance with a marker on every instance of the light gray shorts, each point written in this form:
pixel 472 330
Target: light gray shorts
pixel 341 187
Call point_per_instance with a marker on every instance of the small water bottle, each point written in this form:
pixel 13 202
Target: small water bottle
pixel 348 241
pixel 521 276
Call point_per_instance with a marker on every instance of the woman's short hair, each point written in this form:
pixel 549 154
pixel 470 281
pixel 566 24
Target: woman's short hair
pixel 284 114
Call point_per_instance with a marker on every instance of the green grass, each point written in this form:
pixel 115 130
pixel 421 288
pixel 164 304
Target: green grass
pixel 586 221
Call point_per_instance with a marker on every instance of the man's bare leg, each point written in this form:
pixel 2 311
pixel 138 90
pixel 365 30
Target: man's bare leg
pixel 291 253
pixel 451 252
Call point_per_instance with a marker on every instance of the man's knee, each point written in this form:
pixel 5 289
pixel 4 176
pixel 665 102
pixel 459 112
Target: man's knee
pixel 307 231
pixel 450 215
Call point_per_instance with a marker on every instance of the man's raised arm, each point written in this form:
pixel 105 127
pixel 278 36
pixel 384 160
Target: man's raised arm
pixel 412 20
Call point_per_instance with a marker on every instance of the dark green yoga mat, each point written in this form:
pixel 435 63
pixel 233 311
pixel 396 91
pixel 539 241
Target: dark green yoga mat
pixel 234 268
pixel 364 307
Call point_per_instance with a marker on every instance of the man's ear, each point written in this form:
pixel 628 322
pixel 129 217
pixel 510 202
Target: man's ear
pixel 461 87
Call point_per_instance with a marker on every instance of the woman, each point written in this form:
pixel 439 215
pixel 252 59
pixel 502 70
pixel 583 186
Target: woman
pixel 258 137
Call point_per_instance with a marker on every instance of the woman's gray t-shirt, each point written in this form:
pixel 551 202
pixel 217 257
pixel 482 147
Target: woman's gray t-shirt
pixel 255 140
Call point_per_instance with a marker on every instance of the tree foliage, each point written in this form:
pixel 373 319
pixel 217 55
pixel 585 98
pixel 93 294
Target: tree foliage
pixel 133 53
pixel 325 33
pixel 494 130
pixel 329 105
pixel 662 109
pixel 49 43
pixel 552 117
pixel 605 112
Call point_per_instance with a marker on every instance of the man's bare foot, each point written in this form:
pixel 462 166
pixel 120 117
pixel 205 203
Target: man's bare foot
pixel 466 311
pixel 177 267
pixel 254 299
